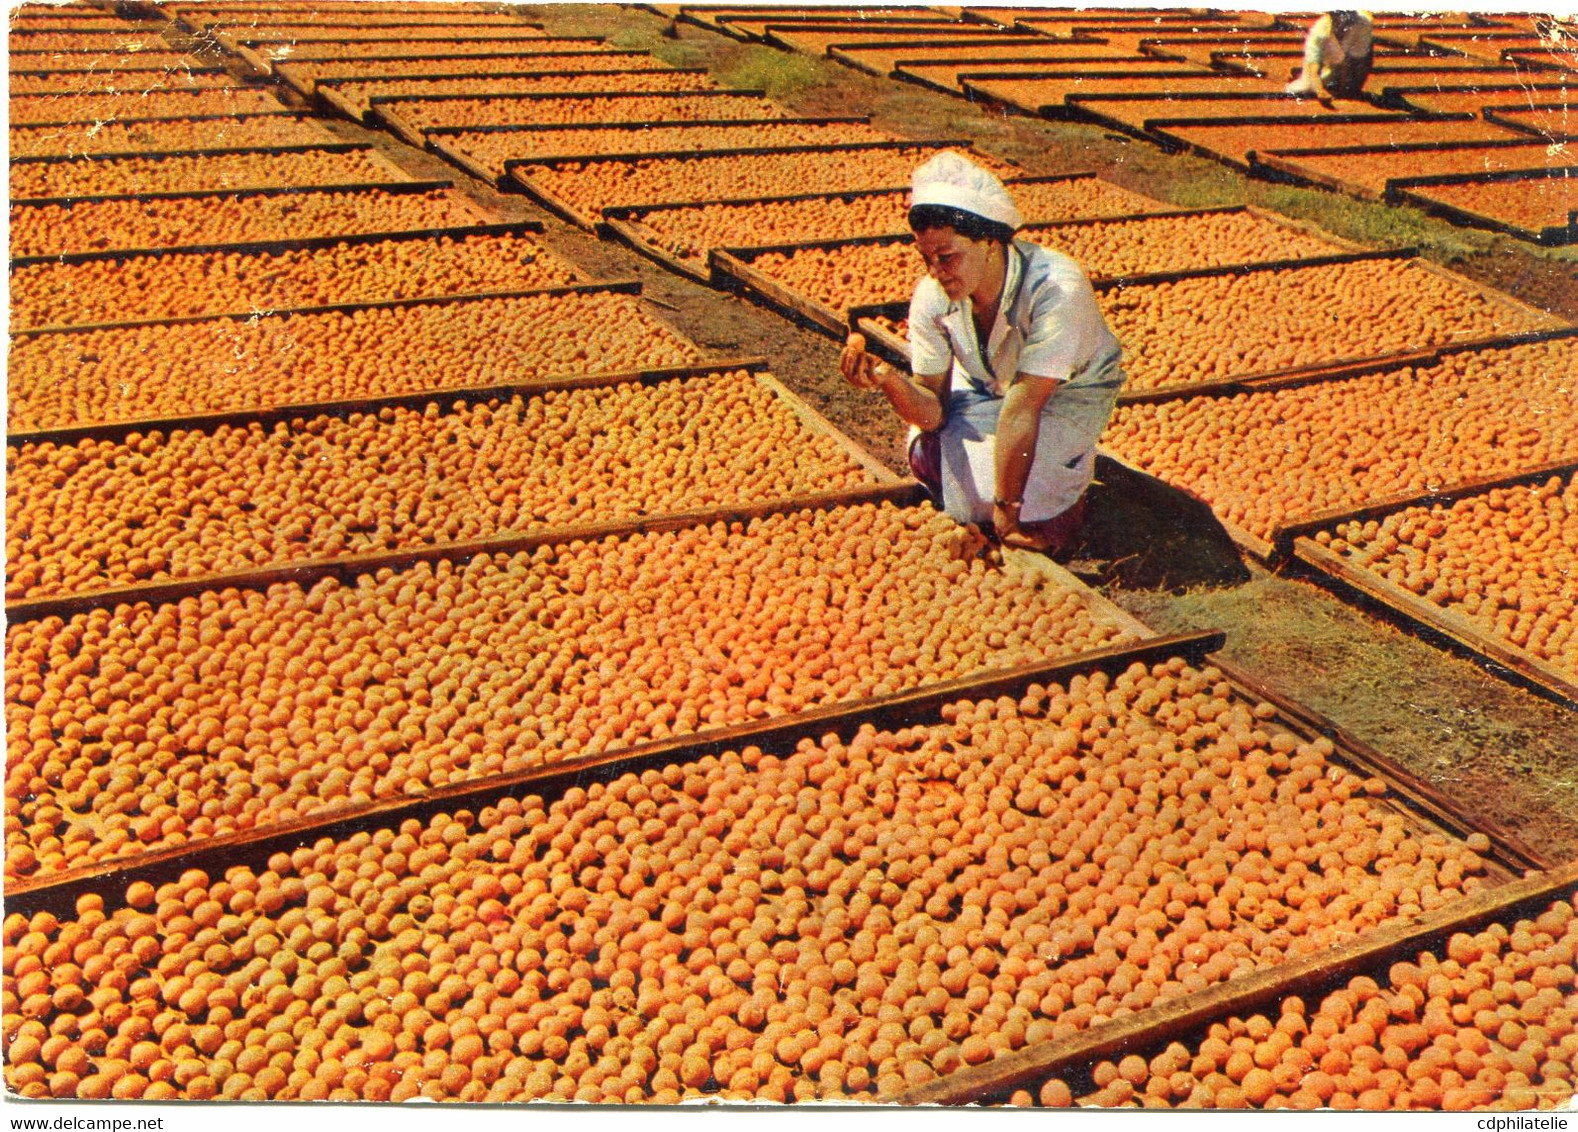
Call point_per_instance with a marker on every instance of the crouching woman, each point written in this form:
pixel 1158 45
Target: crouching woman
pixel 1015 370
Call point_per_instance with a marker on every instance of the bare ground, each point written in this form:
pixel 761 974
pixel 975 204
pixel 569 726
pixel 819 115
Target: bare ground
pixel 1508 755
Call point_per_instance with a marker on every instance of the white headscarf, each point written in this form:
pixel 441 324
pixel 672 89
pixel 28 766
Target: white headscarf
pixel 954 180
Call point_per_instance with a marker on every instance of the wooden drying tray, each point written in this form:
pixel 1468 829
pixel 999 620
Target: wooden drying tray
pixel 1552 326
pixel 457 232
pixel 380 108
pixel 439 141
pixel 780 32
pixel 1314 975
pixel 306 570
pixel 1275 549
pixel 58 63
pixel 949 78
pixel 261 63
pixel 625 223
pixel 249 245
pixel 1127 478
pixel 513 169
pixel 330 97
pixel 350 19
pixel 199 194
pixel 1510 117
pixel 156 155
pixel 238 33
pixel 282 112
pixel 288 70
pixel 1407 192
pixel 1400 602
pixel 1011 45
pixel 310 141
pixel 58 893
pixel 977 86
pixel 116 428
pixel 1102 112
pixel 737 264
pixel 1286 163
pixel 819 41
pixel 724 20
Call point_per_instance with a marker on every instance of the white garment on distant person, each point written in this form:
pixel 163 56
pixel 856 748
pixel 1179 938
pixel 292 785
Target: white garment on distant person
pixel 1326 53
pixel 1048 325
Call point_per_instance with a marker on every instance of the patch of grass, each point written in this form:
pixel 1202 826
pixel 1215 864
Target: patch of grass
pixel 1364 222
pixel 679 53
pixel 634 39
pixel 776 72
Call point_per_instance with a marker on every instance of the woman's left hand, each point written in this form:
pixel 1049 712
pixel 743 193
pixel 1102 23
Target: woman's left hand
pixel 1005 522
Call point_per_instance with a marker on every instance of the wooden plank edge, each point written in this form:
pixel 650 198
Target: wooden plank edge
pixel 631 286
pixel 853 149
pixel 268 414
pixel 59 892
pixel 819 425
pixel 746 253
pixel 746 279
pixel 156 155
pixel 160 195
pixel 304 572
pixel 1340 369
pixel 1445 813
pixel 1528 669
pixel 536 191
pixel 1471 219
pixel 628 233
pixel 883 340
pixel 1100 606
pixel 531 227
pixel 994 1080
pixel 1307 526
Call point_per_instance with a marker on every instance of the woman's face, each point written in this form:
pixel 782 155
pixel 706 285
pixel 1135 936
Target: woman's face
pixel 961 265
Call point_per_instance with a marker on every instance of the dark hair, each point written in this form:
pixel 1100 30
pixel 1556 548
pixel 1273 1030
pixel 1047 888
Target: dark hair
pixel 925 217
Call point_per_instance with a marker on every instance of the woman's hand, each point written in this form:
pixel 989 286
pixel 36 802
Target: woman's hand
pixel 861 369
pixel 1005 524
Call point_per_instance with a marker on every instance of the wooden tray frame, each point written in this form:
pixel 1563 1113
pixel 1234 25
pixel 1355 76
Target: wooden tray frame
pixel 734 267
pixel 1500 116
pixel 59 892
pixel 287 72
pixel 992 1081
pixel 114 428
pixel 459 232
pixel 624 223
pixel 1398 94
pixel 328 96
pixel 445 148
pixel 850 56
pixel 301 118
pixel 306 570
pixel 1403 603
pixel 401 187
pixel 1407 193
pixel 1285 162
pixel 1276 548
pixel 561 208
pixel 259 62
pixel 66 98
pixel 970 82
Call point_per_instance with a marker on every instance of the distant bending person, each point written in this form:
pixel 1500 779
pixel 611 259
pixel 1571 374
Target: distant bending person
pixel 1337 55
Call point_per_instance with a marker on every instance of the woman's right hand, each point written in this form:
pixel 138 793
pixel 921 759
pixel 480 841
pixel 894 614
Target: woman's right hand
pixel 858 367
